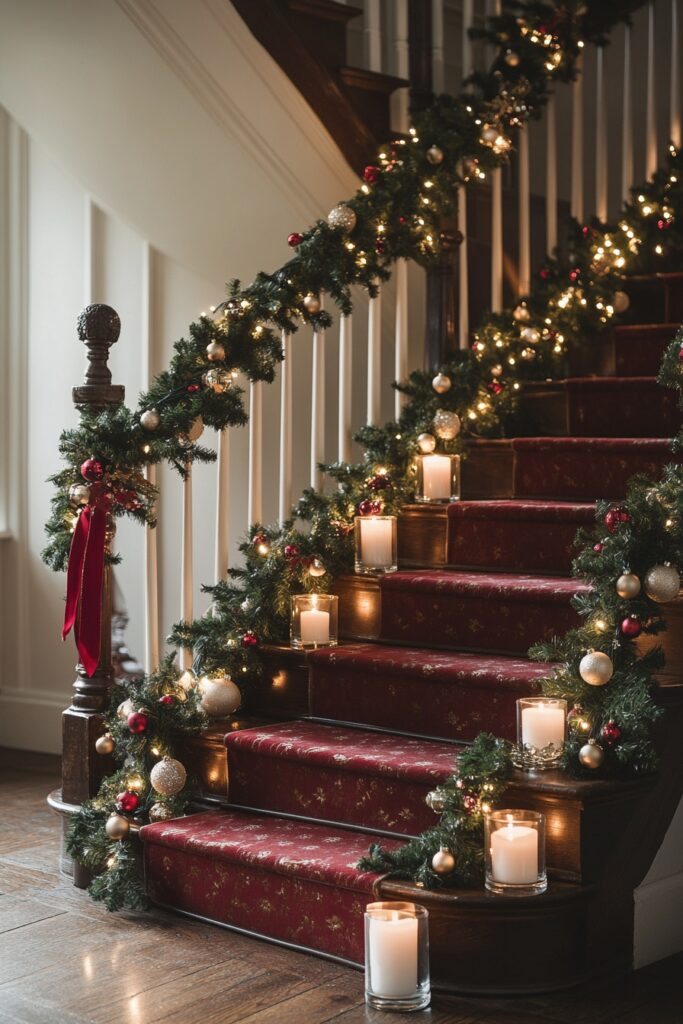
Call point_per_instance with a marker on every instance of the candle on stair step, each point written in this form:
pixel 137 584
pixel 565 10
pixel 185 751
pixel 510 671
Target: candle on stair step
pixel 396 956
pixel 376 544
pixel 313 621
pixel 541 731
pixel 515 852
pixel 438 478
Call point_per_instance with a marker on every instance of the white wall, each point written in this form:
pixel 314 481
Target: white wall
pixel 148 153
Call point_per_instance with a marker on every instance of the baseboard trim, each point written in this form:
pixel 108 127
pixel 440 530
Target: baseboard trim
pixel 31 720
pixel 34 761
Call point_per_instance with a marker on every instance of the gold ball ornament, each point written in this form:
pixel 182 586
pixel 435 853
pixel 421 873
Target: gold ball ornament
pixel 435 801
pixel 490 134
pixel 446 424
pixel 117 827
pixel 218 379
pixel 512 59
pixel 628 586
pixel 596 668
pixel 125 708
pixel 311 303
pixel 105 744
pixel 530 335
pixel 441 383
pixel 662 583
pixel 316 568
pixel 591 755
pixel 497 370
pixel 342 218
pixel 220 697
pixel 215 352
pixel 150 420
pixel 79 494
pixel 160 812
pixel 443 861
pixel 520 313
pixel 168 776
pixel 426 443
pixel 621 302
pixel 435 155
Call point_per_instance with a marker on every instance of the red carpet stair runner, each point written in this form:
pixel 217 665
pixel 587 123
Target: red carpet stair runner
pixel 307 797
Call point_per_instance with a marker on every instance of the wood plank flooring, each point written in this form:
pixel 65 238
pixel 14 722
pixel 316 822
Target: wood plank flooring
pixel 65 960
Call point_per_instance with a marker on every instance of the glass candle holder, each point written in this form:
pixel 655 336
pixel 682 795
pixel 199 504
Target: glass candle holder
pixel 397 956
pixel 541 732
pixel 375 544
pixel 438 479
pixel 313 621
pixel 514 847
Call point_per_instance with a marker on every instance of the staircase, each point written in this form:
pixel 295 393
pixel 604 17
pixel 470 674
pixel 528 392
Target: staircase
pixel 344 744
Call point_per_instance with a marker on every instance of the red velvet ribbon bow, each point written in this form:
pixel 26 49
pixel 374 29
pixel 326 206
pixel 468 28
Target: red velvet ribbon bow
pixel 84 577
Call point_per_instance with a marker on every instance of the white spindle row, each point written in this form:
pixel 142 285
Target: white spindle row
pixel 524 199
pixel 463 277
pixel 650 105
pixel 373 416
pixel 222 506
pixel 286 454
pixel 627 119
pixel 317 407
pixel 401 330
pixel 550 177
pixel 576 205
pixel 255 489
pixel 186 566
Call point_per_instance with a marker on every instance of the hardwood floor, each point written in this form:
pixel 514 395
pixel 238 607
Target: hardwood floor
pixel 65 960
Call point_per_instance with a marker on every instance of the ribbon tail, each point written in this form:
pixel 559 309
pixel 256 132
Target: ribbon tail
pixel 75 569
pixel 88 620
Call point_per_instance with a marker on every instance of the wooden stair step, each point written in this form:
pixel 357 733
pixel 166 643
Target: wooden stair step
pixel 321 25
pixel 369 92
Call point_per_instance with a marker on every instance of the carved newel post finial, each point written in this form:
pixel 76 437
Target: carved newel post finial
pixel 99 328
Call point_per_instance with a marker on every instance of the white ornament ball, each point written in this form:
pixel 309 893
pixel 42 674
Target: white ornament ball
pixel 446 424
pixel 343 218
pixel 150 419
pixel 490 133
pixel 316 568
pixel 621 302
pixel 215 351
pixel 435 155
pixel 628 586
pixel 312 303
pixel 168 776
pixel 441 383
pixel 125 708
pixel 220 697
pixel 530 335
pixel 79 494
pixel 662 583
pixel 426 443
pixel 443 861
pixel 520 313
pixel 596 668
pixel 591 755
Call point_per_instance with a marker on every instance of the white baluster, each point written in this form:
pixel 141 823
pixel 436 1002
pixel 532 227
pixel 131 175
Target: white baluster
pixel 524 212
pixel 344 429
pixel 222 507
pixel 650 98
pixel 577 143
pixel 285 489
pixel 438 65
pixel 463 277
pixel 627 176
pixel 151 588
pixel 401 330
pixel 374 359
pixel 318 407
pixel 186 569
pixel 496 240
pixel 373 35
pixel 675 95
pixel 551 177
pixel 467 18
pixel 255 485
pixel 600 136
pixel 400 99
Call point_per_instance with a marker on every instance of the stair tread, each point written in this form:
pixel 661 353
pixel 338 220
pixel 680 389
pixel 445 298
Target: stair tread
pixel 553 589
pixel 280 845
pixel 497 671
pixel 647 328
pixel 524 509
pixel 654 444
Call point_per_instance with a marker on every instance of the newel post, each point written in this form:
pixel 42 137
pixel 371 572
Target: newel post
pixel 82 767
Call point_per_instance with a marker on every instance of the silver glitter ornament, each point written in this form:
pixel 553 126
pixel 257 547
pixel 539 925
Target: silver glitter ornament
pixel 662 583
pixel 218 379
pixel 150 419
pixel 435 155
pixel 446 424
pixel 426 443
pixel 168 776
pixel 342 218
pixel 596 668
pixel 79 494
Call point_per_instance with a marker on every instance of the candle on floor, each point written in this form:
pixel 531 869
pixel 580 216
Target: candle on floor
pixel 396 956
pixel 376 544
pixel 541 731
pixel 515 852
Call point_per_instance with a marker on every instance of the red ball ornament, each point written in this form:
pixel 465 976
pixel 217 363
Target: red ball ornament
pixel 402 220
pixel 167 700
pixel 92 470
pixel 495 386
pixel 598 547
pixel 680 353
pixel 371 174
pixel 380 247
pixel 294 239
pixel 663 224
pixel 137 721
pixel 368 507
pixel 544 273
pixel 259 539
pixel 380 482
pixel 631 627
pixel 574 275
pixel 192 388
pixel 128 802
pixel 585 231
pixel 291 551
pixel 610 733
pixel 249 639
pixel 469 802
pixel 616 517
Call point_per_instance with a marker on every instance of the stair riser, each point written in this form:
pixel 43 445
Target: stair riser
pixel 323 918
pixel 583 475
pixel 427 707
pixel 593 409
pixel 471 622
pixel 514 545
pixel 638 353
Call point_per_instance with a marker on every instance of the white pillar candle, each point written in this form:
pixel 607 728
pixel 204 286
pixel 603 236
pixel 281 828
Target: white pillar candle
pixel 376 536
pixel 436 476
pixel 542 724
pixel 393 955
pixel 315 627
pixel 514 854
